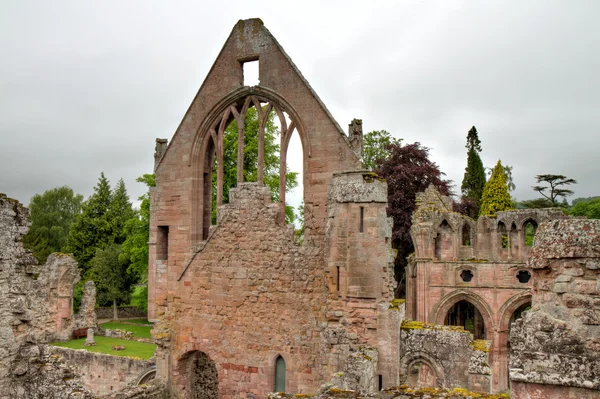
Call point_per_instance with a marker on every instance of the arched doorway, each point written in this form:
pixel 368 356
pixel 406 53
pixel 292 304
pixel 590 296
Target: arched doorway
pixel 421 374
pixel 518 313
pixel 463 313
pixel 203 376
pixel 280 374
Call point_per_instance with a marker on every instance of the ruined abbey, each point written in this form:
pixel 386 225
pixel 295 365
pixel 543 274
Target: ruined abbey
pixel 243 310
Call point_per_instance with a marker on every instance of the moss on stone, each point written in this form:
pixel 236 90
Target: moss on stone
pixel 419 325
pixel 395 303
pixel 481 345
pixel 443 393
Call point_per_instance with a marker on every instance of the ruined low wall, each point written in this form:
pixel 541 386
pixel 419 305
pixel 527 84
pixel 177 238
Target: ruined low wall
pixel 124 312
pixel 443 356
pixel 103 374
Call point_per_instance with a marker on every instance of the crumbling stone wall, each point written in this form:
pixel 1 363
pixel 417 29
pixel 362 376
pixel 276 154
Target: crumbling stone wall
pixel 123 312
pixel 457 259
pixel 101 373
pixel 555 347
pixel 443 357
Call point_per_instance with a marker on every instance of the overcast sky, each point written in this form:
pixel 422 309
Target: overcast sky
pixel 86 87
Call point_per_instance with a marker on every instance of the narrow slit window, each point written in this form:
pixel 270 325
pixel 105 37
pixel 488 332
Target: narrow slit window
pixel 362 219
pixel 250 71
pixel 162 243
pixel 337 283
pixel 279 374
pixel 380 385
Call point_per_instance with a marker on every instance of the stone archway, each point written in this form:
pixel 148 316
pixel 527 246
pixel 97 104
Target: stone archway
pixel 420 370
pixel 441 309
pixel 200 373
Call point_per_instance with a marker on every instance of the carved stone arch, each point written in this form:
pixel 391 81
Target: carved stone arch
pixel 472 227
pixel 146 376
pixel 407 361
pixel 213 126
pixel 509 307
pixel 442 307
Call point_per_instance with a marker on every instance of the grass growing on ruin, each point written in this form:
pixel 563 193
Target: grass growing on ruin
pixel 104 345
pixel 138 331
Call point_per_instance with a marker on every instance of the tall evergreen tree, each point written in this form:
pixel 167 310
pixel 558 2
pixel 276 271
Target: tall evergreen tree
pixel 474 178
pixel 119 212
pixel 495 196
pixel 91 229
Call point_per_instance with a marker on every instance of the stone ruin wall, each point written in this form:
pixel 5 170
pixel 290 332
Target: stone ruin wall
pixel 242 292
pixel 555 347
pixel 448 244
pixel 34 309
pixel 104 374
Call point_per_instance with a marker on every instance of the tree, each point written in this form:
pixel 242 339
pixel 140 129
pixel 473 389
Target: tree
pixel 51 216
pixel 408 171
pixel 495 196
pixel 136 229
pixel 374 147
pixel 589 208
pixel 535 203
pixel 510 184
pixel 110 273
pixel 474 177
pixel 271 152
pixel 119 212
pixel 91 229
pixel 555 181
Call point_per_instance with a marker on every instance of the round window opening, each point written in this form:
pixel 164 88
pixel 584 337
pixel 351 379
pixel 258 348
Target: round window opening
pixel 523 276
pixel 466 276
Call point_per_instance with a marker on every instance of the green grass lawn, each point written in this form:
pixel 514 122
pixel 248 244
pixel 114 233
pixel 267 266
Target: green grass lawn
pixel 138 331
pixel 104 345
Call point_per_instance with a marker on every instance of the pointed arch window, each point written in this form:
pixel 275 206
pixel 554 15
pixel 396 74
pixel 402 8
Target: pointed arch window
pixel 280 374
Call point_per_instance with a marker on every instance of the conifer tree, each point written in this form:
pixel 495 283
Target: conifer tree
pixel 91 229
pixel 495 196
pixel 474 178
pixel 119 212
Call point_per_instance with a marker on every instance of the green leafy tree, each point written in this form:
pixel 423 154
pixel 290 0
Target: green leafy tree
pixel 91 229
pixel 271 152
pixel 554 190
pixel 508 169
pixel 588 207
pixel 375 147
pixel 495 196
pixel 136 229
pixel 51 216
pixel 110 272
pixel 474 177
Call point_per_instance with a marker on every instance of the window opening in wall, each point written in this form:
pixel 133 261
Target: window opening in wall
pixel 337 283
pixel 466 276
pixel 250 71
pixel 162 243
pixel 518 313
pixel 362 219
pixel 279 374
pixel 380 384
pixel 530 228
pixel 465 314
pixel 466 235
pixel 523 276
pixel 503 235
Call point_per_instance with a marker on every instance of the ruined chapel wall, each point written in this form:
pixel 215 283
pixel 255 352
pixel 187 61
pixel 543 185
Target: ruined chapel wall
pixel 326 149
pixel 251 294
